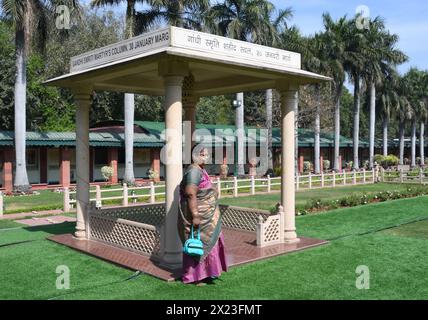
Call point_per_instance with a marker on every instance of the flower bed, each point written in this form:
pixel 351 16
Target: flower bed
pixel 317 205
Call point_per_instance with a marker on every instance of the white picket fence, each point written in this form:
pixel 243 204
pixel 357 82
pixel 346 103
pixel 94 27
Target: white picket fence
pixel 226 187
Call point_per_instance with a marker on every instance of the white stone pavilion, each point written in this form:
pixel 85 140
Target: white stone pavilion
pixel 184 65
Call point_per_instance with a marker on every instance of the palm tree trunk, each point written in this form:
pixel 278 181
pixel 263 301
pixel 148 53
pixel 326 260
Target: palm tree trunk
pixel 269 126
pixel 413 163
pixel 337 128
pixel 401 134
pixel 385 136
pixel 129 107
pixel 422 143
pixel 317 129
pixel 372 121
pixel 239 122
pixel 21 183
pixel 356 120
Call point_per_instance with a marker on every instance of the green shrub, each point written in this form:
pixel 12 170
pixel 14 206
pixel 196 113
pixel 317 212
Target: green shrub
pixel 390 160
pixel 307 166
pixel 379 158
pixel 326 164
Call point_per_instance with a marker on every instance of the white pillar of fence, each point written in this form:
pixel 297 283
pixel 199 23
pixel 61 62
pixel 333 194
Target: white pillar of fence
pixel 364 175
pixel 152 192
pixel 333 177
pixel 268 184
pixel 401 176
pixel 421 175
pixel 373 175
pixel 219 187
pixel 344 177
pixel 235 187
pixel 66 200
pixel 354 177
pixel 322 179
pixel 125 195
pixel 310 180
pixel 253 186
pixel 98 202
pixel 297 182
pixel 1 203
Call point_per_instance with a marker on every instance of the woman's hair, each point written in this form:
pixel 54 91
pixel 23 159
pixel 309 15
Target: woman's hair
pixel 196 152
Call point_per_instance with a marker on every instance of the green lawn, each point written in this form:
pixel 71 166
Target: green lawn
pixel 397 259
pixel 268 201
pixel 47 199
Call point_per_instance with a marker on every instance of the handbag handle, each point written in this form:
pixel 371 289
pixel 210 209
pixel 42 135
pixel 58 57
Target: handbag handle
pixel 199 233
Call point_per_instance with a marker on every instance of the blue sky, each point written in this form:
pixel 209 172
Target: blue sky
pixel 408 19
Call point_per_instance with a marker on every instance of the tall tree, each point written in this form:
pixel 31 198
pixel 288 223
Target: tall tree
pixel 334 39
pixel 274 29
pixel 388 100
pixel 189 14
pixel 415 92
pixel 247 20
pixel 381 58
pixel 403 112
pixel 134 22
pixel 30 19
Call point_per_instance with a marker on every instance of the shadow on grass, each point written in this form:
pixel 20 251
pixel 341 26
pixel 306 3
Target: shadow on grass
pixel 54 229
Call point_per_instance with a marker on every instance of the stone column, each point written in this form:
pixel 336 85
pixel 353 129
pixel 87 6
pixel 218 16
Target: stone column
pixel 173 73
pixel 301 160
pixel 113 156
pixel 289 99
pixel 155 158
pixel 82 99
pixel 8 170
pixel 64 167
pixel 190 100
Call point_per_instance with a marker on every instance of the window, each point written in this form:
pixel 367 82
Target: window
pixel 142 156
pixel 32 158
pixel 100 156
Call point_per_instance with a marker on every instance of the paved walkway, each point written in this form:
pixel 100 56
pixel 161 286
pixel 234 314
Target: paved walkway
pixel 34 221
pixel 14 216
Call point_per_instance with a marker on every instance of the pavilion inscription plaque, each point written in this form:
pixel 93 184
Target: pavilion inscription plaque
pixel 185 39
pixel 121 50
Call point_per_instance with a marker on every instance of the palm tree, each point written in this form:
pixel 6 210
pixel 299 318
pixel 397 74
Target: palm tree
pixel 334 39
pixel 424 118
pixel 317 61
pixel 247 20
pixel 30 20
pixel 274 30
pixel 415 91
pixel 134 21
pixel 388 99
pixel 189 14
pixel 403 111
pixel 381 59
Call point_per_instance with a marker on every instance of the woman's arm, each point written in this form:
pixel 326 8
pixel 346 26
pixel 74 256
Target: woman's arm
pixel 191 191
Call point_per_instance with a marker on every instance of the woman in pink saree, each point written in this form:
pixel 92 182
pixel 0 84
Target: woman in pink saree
pixel 199 208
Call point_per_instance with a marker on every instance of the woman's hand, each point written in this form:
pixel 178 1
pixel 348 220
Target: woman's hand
pixel 196 221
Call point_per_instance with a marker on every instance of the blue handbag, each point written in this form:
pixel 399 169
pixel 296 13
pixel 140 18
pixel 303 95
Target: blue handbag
pixel 194 246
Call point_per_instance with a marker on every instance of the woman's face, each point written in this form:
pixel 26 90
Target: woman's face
pixel 203 157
